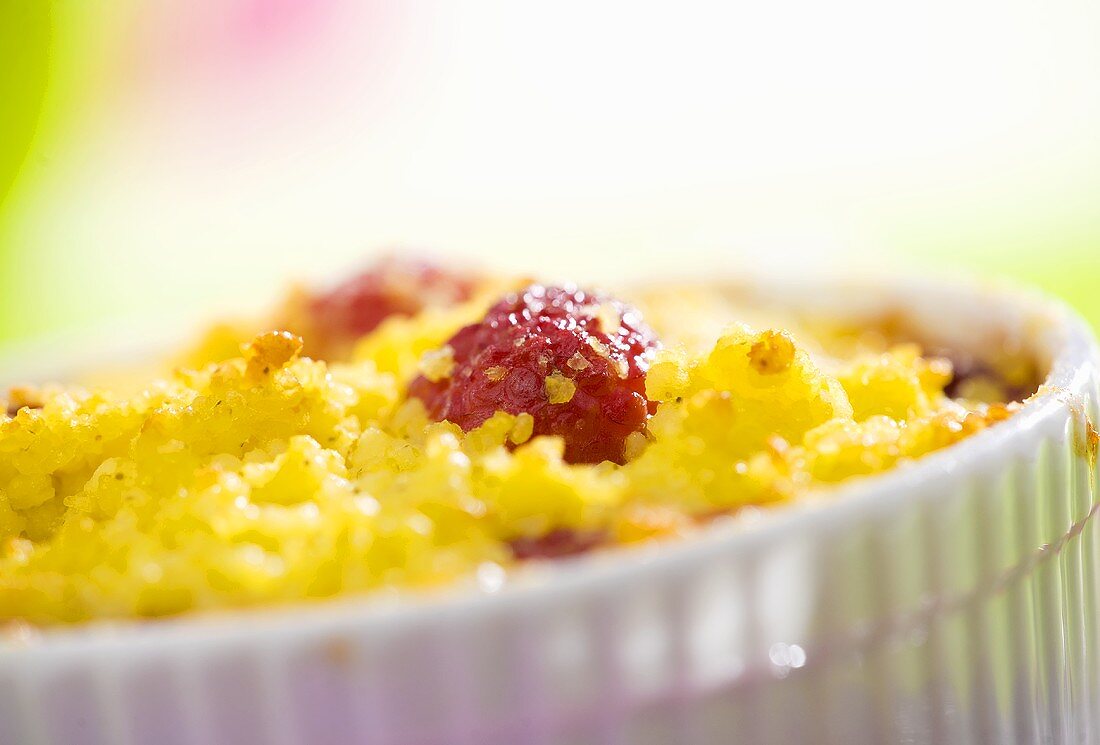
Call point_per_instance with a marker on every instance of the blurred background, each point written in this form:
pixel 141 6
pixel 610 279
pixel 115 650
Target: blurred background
pixel 180 157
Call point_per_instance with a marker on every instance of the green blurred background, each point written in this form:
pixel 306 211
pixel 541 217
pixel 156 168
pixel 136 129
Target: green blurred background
pixel 25 43
pixel 176 159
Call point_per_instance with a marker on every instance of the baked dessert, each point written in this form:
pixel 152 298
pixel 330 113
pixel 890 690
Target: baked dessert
pixel 416 427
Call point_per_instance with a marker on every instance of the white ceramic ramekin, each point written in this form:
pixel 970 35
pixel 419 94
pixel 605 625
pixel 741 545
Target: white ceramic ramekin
pixel 956 600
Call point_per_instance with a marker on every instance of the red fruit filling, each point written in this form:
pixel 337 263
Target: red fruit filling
pixel 575 361
pixel 556 544
pixel 394 286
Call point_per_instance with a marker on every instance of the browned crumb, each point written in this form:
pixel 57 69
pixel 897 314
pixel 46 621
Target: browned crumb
pixel 999 412
pixel 271 351
pixel 773 354
pixel 973 423
pixel 1092 442
pixel 22 397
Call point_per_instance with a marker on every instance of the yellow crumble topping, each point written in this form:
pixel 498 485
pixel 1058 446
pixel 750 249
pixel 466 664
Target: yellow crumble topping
pixel 266 476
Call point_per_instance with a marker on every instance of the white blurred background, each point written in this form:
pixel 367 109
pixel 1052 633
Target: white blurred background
pixel 198 152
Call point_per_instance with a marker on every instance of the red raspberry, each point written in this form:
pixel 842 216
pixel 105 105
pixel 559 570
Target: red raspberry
pixel 393 286
pixel 331 321
pixel 573 360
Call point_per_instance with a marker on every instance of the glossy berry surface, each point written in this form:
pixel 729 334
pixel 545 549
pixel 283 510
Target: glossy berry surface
pixel 574 360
